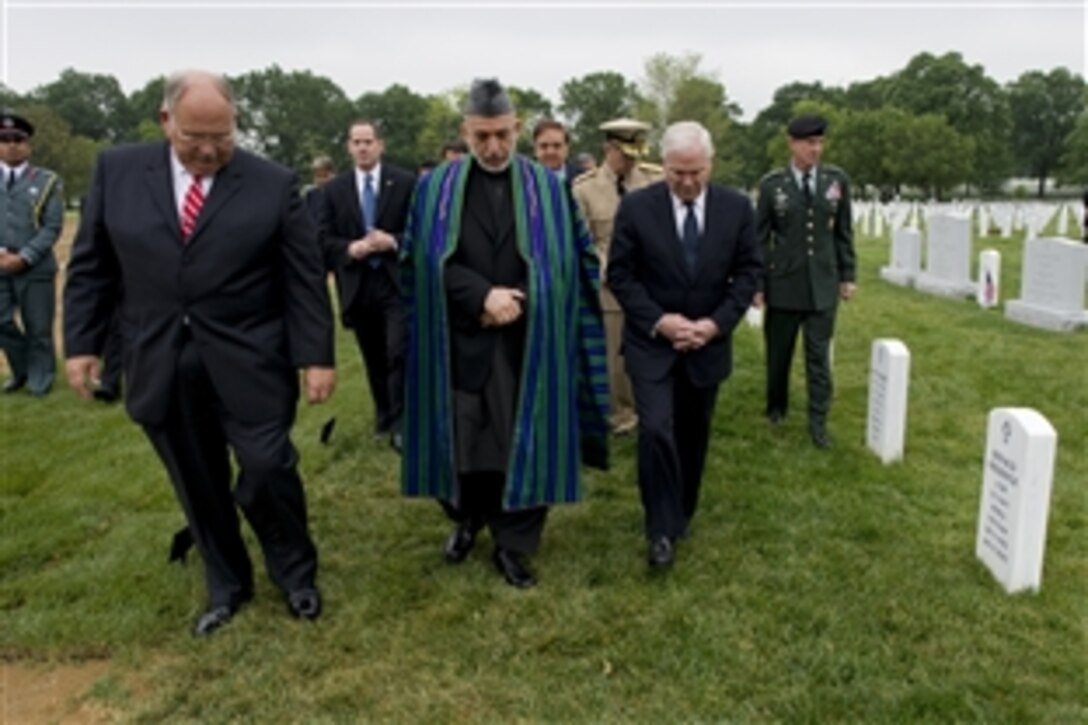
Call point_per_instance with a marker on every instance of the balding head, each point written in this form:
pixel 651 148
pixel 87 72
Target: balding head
pixel 198 116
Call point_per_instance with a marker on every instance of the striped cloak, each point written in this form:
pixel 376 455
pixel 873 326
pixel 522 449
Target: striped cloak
pixel 562 411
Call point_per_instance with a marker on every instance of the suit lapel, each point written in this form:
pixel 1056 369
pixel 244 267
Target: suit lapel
pixel 160 184
pixel 386 191
pixel 227 183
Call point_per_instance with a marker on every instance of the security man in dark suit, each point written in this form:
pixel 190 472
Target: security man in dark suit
pixel 361 215
pixel 804 225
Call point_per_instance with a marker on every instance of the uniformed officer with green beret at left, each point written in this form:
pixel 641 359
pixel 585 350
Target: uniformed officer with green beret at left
pixel 32 213
pixel 804 224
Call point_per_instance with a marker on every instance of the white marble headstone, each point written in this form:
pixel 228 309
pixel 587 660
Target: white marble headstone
pixel 988 294
pixel 906 261
pixel 889 378
pixel 1018 473
pixel 1052 285
pixel 948 257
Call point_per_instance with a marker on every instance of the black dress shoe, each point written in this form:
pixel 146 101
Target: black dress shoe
pixel 107 395
pixel 513 569
pixel 212 620
pixel 661 552
pixel 305 603
pixel 819 438
pixel 13 384
pixel 460 543
pixel 776 417
pixel 396 442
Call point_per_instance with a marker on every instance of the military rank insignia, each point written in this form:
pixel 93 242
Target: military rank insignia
pixel 834 192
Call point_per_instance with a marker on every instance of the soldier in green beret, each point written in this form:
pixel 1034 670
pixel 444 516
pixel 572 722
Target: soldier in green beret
pixel 804 224
pixel 32 214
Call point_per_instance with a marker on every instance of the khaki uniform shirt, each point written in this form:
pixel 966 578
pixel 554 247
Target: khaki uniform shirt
pixel 599 199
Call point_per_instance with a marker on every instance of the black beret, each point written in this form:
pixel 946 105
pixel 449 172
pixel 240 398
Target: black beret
pixel 11 123
pixel 807 126
pixel 487 98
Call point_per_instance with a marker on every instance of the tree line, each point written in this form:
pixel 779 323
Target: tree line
pixel 938 126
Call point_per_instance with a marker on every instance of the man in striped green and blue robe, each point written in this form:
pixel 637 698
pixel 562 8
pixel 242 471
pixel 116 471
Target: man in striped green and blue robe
pixel 506 384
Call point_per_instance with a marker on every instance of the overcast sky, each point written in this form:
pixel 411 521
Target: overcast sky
pixel 753 47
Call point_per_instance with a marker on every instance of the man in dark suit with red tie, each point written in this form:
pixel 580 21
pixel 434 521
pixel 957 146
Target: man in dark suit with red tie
pixel 215 264
pixel 362 213
pixel 683 265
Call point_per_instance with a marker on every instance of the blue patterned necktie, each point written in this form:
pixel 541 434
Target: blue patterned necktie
pixel 691 237
pixel 370 202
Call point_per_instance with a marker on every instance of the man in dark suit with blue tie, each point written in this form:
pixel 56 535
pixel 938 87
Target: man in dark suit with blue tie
pixel 214 262
pixel 683 265
pixel 361 215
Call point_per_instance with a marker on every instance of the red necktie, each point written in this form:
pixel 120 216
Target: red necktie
pixel 190 208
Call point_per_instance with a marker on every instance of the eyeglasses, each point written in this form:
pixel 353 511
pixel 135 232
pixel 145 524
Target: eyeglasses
pixel 12 138
pixel 216 139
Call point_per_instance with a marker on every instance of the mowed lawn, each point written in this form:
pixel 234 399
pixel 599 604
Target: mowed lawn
pixel 817 585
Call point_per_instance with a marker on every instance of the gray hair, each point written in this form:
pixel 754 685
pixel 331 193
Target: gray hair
pixel 487 98
pixel 179 82
pixel 687 136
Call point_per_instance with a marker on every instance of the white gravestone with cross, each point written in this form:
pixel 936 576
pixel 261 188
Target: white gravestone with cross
pixel 1018 473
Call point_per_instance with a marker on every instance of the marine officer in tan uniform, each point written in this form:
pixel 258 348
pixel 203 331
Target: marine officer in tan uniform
pixel 598 193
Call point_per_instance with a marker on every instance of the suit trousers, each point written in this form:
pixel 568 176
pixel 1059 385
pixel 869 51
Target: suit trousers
pixel 619 384
pixel 112 354
pixel 673 434
pixel 378 324
pixel 780 328
pixel 481 505
pixel 193 445
pixel 30 350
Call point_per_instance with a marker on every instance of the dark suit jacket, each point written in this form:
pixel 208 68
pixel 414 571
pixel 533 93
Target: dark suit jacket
pixel 340 220
pixel 649 277
pixel 248 286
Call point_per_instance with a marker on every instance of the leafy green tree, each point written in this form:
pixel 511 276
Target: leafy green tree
pixel 664 74
pixel 292 117
pixel 92 104
pixel 402 114
pixel 1045 108
pixel 1074 164
pixel 55 147
pixel 974 104
pixel 927 152
pixel 441 122
pixel 144 105
pixel 704 100
pixel 531 106
pixel 589 101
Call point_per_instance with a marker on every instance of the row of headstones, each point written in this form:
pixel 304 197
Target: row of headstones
pixel 1052 282
pixel 872 219
pixel 1017 469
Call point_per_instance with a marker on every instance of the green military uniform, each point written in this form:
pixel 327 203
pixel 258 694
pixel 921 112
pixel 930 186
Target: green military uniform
pixel 598 193
pixel 31 217
pixel 808 251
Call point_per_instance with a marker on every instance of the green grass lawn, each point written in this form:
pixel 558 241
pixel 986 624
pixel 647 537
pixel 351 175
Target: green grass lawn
pixel 817 586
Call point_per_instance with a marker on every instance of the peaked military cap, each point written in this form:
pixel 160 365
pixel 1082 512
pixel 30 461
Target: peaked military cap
pixel 628 134
pixel 807 126
pixel 12 124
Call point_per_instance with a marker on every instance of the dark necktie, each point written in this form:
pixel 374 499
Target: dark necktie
pixel 691 237
pixel 806 184
pixel 11 179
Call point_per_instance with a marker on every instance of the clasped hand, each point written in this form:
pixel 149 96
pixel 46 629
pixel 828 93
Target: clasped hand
pixel 502 306
pixel 375 242
pixel 685 334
